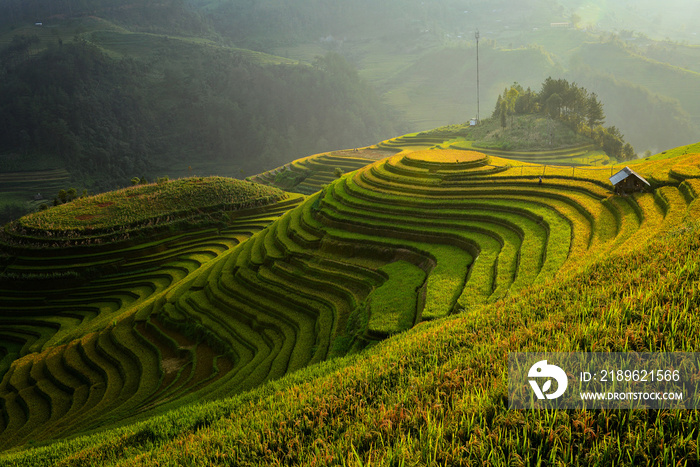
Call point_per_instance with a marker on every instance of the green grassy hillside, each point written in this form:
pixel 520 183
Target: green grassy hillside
pixel 71 293
pixel 140 206
pixel 439 86
pixel 526 138
pixel 633 84
pixel 24 191
pixel 426 67
pixel 98 334
pixel 575 268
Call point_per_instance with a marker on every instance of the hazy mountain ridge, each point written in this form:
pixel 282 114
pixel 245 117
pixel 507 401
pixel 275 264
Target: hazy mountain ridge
pixel 145 15
pixel 418 56
pixel 391 44
pixel 110 104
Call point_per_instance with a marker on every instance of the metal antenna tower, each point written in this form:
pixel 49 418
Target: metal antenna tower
pixel 478 117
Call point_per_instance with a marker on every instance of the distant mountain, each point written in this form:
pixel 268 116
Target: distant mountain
pixel 675 19
pixel 144 15
pixel 421 55
pixel 110 104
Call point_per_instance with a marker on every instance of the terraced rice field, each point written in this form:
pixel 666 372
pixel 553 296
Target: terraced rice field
pixel 310 174
pixel 580 155
pixel 411 237
pixel 412 141
pixel 78 346
pixel 577 155
pixel 22 186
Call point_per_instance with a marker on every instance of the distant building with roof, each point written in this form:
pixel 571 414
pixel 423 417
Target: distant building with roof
pixel 628 181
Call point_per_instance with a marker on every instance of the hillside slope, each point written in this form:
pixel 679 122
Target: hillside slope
pixel 421 56
pixel 438 393
pixel 72 279
pixel 203 314
pixel 105 103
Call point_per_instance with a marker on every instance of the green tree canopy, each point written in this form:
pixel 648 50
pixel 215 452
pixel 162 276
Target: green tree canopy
pixel 570 103
pixel 595 114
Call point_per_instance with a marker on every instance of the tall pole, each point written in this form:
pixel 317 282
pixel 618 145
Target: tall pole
pixel 478 119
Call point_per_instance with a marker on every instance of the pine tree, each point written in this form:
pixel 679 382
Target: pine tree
pixel 628 152
pixel 503 112
pixel 594 114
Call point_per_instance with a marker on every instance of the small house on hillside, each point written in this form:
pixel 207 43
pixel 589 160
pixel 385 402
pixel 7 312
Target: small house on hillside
pixel 628 181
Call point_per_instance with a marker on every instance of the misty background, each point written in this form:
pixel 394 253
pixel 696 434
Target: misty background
pixel 99 91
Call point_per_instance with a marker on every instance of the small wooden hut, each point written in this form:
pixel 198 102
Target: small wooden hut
pixel 628 181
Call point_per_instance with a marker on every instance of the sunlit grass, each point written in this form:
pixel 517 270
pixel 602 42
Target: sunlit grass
pixel 418 236
pixel 439 392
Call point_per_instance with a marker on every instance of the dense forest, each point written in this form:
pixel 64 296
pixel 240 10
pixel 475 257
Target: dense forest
pixel 569 103
pixel 77 104
pixel 112 119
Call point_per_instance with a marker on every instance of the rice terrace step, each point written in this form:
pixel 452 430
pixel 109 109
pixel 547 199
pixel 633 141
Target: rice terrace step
pixel 243 283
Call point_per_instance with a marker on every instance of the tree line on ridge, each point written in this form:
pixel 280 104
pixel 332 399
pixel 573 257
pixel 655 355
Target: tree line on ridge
pixel 569 103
